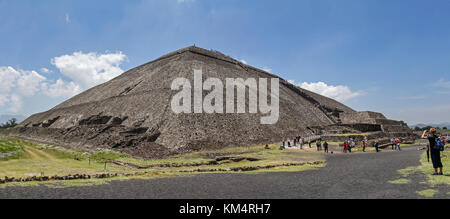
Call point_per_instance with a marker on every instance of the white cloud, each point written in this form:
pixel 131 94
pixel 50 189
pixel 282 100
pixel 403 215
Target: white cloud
pixel 8 76
pixel 267 69
pixel 45 70
pixel 339 93
pixel 16 103
pixel 29 83
pixel 67 19
pixel 442 83
pixel 243 61
pixel 83 70
pixel 61 89
pixel 90 69
pixel 16 84
pixel 3 100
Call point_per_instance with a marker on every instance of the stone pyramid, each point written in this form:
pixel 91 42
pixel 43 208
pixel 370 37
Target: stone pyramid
pixel 131 113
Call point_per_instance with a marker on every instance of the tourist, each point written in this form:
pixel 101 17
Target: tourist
pixel 284 144
pixel 349 147
pixel 295 141
pixel 363 144
pixel 352 145
pixel 325 146
pixel 377 145
pixel 302 142
pixel 345 147
pixel 319 145
pixel 267 147
pixel 397 142
pixel 434 150
pixel 309 144
pixel 289 143
pixel 392 143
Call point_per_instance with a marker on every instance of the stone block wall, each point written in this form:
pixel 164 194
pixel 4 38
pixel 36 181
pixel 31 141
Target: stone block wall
pixel 365 117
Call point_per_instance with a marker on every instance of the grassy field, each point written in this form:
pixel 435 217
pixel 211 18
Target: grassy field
pixel 45 160
pixel 11 146
pixel 427 169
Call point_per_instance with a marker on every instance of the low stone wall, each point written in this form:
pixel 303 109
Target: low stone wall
pixel 245 169
pixel 381 137
pixel 365 127
pixel 396 128
pixel 356 137
pixel 366 117
pixel 388 122
pixel 68 177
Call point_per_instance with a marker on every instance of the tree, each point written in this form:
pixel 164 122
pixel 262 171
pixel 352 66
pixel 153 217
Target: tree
pixel 445 128
pixel 427 128
pixel 404 123
pixel 11 123
pixel 417 128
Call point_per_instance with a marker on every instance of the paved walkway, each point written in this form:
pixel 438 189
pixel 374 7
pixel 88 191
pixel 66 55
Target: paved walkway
pixel 358 175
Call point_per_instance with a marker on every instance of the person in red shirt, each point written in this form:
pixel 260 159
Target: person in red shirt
pixel 397 142
pixel 345 147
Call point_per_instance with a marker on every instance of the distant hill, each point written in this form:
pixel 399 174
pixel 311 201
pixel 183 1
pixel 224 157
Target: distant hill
pixel 5 118
pixel 421 125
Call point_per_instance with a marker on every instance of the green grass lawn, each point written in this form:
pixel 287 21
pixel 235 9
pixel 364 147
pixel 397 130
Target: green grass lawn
pixel 38 159
pixel 427 169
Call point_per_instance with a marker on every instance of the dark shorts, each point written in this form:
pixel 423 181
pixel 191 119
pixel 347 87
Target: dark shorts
pixel 436 158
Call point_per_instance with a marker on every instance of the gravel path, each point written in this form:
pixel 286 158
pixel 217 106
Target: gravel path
pixel 358 175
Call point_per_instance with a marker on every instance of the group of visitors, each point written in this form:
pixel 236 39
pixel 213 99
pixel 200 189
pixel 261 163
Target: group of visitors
pixel 434 148
pixel 436 145
pixel 295 141
pixel 348 145
pixel 300 141
pixel 319 145
pixel 395 144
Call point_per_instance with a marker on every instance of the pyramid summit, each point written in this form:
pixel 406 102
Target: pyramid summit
pixel 132 113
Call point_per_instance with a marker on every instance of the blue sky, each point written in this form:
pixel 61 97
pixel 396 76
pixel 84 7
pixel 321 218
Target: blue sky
pixel 386 56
